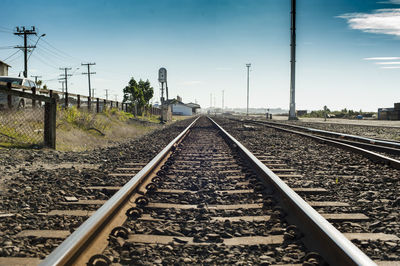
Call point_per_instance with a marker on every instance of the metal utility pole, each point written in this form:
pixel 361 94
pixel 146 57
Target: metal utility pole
pixel 25 32
pixel 223 101
pixel 93 92
pixel 65 77
pixel 292 109
pixel 248 74
pixel 89 73
pixel 106 94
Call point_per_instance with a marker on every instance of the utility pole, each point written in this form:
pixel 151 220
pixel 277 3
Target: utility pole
pixel 62 84
pixel 292 109
pixel 65 77
pixel 93 89
pixel 248 73
pixel 36 78
pixel 210 100
pixel 223 101
pixel 106 94
pixel 89 73
pixel 25 33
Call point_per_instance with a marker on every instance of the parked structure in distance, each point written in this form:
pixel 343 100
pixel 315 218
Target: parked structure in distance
pixel 180 108
pixel 391 113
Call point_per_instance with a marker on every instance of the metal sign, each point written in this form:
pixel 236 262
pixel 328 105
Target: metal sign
pixel 162 75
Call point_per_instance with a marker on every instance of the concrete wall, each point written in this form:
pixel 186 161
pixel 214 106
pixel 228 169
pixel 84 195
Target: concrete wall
pixel 180 109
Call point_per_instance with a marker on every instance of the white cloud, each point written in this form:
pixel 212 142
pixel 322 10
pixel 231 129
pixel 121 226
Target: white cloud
pixel 395 2
pixel 381 21
pixel 391 67
pixel 382 58
pixel 388 63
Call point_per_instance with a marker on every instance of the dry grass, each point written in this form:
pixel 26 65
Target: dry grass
pixel 79 130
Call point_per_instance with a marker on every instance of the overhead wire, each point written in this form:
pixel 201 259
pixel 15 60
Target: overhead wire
pixel 11 55
pixel 43 61
pixel 49 44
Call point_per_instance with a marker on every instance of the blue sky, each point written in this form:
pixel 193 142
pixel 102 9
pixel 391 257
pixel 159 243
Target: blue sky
pixel 343 52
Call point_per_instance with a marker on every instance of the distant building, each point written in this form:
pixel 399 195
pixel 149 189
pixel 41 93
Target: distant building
pixel 389 113
pixel 195 107
pixel 180 108
pixel 301 112
pixel 4 68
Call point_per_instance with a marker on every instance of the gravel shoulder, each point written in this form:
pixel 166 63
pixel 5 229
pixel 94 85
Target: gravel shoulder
pixel 34 182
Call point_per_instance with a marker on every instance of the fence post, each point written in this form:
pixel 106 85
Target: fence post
pixel 97 105
pixel 111 104
pixel 34 101
pixel 79 101
pixel 9 101
pixel 104 104
pixel 116 104
pixel 50 114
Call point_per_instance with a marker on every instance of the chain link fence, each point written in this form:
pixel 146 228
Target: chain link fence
pixel 21 127
pixel 26 119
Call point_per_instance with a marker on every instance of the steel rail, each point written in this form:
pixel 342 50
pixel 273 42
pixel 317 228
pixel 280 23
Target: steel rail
pixel 337 143
pixel 374 141
pixel 362 142
pixel 330 243
pixel 74 245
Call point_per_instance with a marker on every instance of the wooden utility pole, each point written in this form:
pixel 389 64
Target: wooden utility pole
pixel 89 73
pixel 25 33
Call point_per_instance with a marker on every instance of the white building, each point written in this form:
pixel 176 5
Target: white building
pixel 180 108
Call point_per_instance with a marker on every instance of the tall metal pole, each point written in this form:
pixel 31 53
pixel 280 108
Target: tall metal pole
pixel 292 109
pixel 248 72
pixel 222 100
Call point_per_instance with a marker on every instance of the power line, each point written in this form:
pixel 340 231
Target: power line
pixel 11 55
pixel 88 73
pixel 6 29
pixel 44 62
pixel 52 46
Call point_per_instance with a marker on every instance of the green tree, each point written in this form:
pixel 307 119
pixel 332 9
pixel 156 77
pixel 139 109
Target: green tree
pixel 138 94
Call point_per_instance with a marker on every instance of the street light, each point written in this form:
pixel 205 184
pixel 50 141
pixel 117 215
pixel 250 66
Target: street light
pixel 44 34
pixel 248 70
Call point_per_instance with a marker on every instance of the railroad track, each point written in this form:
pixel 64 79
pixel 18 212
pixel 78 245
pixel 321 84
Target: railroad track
pixel 376 149
pixel 206 199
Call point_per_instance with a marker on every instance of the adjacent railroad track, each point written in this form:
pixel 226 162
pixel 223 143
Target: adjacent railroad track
pixel 376 149
pixel 206 199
